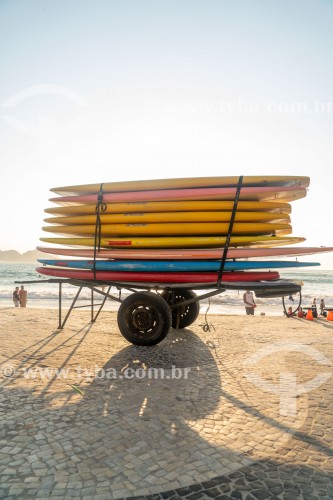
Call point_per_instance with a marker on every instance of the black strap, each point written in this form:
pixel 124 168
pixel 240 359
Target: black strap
pixel 231 224
pixel 100 207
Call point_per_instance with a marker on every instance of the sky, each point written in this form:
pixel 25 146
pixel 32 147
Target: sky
pixel 139 89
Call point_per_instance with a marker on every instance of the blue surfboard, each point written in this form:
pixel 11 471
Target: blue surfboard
pixel 174 265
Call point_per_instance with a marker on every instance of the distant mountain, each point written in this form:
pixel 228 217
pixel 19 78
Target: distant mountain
pixel 14 256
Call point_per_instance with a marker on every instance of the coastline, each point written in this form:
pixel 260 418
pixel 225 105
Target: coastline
pixel 45 295
pixel 214 308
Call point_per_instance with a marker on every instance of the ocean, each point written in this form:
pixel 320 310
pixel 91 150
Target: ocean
pixel 317 284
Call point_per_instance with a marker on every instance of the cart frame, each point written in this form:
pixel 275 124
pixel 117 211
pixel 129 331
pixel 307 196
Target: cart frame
pixel 147 314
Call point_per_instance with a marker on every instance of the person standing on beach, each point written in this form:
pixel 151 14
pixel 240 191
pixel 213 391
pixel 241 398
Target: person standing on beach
pixel 16 297
pixel 23 297
pixel 248 299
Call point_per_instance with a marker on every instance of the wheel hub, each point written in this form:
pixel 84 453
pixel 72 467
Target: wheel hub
pixel 142 319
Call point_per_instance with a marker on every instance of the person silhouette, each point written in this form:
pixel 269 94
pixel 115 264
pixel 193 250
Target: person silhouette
pixel 16 297
pixel 322 308
pixel 248 299
pixel 23 296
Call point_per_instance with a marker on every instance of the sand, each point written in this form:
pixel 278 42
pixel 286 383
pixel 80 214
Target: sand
pixel 257 389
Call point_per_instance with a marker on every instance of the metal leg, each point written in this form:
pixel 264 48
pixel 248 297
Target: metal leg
pixel 102 304
pixel 59 312
pixel 71 307
pixel 92 304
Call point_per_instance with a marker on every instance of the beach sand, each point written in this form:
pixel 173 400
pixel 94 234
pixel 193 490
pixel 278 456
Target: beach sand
pixel 251 403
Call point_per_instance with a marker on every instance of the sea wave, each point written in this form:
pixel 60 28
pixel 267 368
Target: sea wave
pixel 317 284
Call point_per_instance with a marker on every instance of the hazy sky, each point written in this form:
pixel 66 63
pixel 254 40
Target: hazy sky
pixel 96 91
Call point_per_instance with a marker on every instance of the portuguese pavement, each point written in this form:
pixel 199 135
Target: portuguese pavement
pixel 237 408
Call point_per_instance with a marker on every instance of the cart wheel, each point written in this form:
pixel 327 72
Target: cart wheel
pixel 144 318
pixel 182 316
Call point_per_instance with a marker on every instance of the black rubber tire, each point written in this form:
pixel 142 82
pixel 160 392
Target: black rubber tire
pixel 185 315
pixel 144 318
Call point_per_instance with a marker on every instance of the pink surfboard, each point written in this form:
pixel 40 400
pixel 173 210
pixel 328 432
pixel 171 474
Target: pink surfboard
pixel 184 253
pixel 261 193
pixel 163 277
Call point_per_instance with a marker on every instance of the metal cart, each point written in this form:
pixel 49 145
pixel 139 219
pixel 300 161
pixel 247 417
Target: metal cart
pixel 146 315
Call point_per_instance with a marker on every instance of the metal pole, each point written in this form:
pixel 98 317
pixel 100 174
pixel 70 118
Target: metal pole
pixel 72 306
pixel 92 304
pixel 102 304
pixel 59 313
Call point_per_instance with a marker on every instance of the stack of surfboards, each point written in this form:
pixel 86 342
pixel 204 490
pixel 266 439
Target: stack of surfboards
pixel 174 230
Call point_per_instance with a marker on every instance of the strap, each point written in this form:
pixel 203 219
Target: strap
pixel 231 224
pixel 100 207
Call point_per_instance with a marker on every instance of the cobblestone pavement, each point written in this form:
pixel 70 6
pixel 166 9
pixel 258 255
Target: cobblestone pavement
pixel 241 412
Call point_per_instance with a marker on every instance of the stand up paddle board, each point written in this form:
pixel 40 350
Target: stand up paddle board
pixel 177 241
pixel 184 253
pixel 173 265
pixel 187 182
pixel 156 217
pixel 264 193
pixel 173 229
pixel 172 206
pixel 171 277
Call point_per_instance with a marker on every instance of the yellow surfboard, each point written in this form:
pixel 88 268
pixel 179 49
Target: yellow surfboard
pixel 178 242
pixel 176 228
pixel 190 182
pixel 172 206
pixel 152 217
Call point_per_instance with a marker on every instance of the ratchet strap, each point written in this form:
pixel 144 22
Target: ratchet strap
pixel 100 208
pixel 231 225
